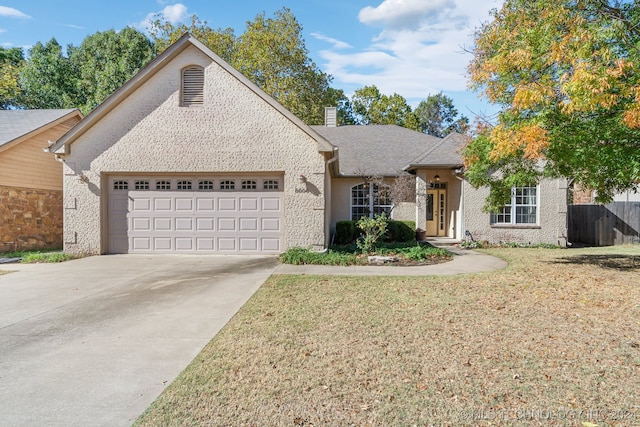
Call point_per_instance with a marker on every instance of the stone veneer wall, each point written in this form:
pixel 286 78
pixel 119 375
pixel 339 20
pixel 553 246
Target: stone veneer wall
pixel 30 219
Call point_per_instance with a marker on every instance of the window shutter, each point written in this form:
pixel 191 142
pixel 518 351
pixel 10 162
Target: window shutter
pixel 193 86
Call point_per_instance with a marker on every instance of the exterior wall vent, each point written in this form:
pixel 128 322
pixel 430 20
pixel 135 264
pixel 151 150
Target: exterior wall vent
pixel 330 117
pixel 192 86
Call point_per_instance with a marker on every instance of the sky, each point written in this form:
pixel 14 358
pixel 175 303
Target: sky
pixel 411 47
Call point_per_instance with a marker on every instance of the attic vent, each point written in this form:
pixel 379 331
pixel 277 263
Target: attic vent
pixel 192 86
pixel 330 117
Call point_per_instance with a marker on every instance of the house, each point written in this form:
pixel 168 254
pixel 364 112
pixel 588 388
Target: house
pixel 30 179
pixel 190 156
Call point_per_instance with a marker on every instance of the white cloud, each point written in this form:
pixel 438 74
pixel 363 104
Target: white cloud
pixel 2 30
pixel 174 14
pixel 12 13
pixel 337 44
pixel 75 27
pixel 419 50
pixel 401 14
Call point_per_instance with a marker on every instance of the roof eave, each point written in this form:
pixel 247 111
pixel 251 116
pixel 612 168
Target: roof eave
pixel 33 132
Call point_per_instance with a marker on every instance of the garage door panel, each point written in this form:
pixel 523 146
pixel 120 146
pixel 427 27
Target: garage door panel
pixel 147 221
pixel 205 224
pixel 271 224
pixel 162 224
pixel 205 204
pixel 270 244
pixel 162 204
pixel 227 224
pixel 141 224
pixel 184 224
pixel 183 204
pixel 271 204
pixel 227 204
pixel 249 224
pixel 248 204
pixel 227 244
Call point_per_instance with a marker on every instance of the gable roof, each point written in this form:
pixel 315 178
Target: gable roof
pixel 380 150
pixel 446 154
pixel 152 68
pixel 19 125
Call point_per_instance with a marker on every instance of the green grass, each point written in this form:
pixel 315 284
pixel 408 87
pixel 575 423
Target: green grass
pixel 557 330
pixel 40 256
pixel 344 255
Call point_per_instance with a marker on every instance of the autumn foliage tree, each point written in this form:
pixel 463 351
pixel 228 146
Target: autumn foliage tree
pixel 566 76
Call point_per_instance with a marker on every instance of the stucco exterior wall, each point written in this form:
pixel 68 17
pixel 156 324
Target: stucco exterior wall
pixel 552 227
pixel 341 201
pixel 235 131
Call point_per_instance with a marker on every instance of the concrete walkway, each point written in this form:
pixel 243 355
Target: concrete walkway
pixel 464 261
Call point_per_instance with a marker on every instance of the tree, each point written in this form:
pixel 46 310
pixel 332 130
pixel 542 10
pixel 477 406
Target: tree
pixel 48 79
pixel 10 62
pixel 371 107
pixel 107 60
pixel 438 117
pixel 272 54
pixel 566 75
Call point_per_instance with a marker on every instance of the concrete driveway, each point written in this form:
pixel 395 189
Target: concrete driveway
pixel 92 342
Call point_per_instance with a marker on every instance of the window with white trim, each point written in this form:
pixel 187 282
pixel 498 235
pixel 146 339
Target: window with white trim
pixel 249 184
pixel 192 91
pixel 227 185
pixel 369 199
pixel 163 185
pixel 523 209
pixel 141 185
pixel 205 184
pixel 184 185
pixel 270 184
pixel 120 185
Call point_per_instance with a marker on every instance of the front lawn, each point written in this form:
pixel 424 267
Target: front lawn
pixel 553 339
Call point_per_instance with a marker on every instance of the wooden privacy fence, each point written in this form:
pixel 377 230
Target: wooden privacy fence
pixel 617 223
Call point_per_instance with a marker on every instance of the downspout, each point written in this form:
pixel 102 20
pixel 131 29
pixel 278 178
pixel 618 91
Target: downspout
pixel 458 173
pixel 327 227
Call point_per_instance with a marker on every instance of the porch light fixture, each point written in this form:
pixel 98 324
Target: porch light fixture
pixel 437 178
pixel 302 179
pixel 83 178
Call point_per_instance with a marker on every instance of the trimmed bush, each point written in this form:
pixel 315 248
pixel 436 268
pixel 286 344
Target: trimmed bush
pixel 346 232
pixel 401 231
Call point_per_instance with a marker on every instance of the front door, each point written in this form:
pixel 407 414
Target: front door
pixel 437 212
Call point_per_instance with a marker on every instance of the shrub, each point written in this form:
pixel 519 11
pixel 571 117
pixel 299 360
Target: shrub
pixel 401 231
pixel 302 256
pixel 372 230
pixel 346 232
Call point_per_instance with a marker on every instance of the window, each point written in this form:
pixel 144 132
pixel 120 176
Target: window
pixel 184 185
pixel 120 185
pixel 369 199
pixel 523 208
pixel 270 184
pixel 192 86
pixel 163 185
pixel 227 185
pixel 142 185
pixel 205 185
pixel 249 184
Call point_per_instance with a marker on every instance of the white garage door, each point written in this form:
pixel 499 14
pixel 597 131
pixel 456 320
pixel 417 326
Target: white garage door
pixel 195 215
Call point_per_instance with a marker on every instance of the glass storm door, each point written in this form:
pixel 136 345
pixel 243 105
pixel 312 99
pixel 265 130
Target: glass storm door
pixel 437 212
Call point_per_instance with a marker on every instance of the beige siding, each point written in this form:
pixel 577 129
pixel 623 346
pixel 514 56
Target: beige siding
pixel 234 131
pixel 26 165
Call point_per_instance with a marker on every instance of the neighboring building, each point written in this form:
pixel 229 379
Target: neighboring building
pixel 31 179
pixel 190 156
